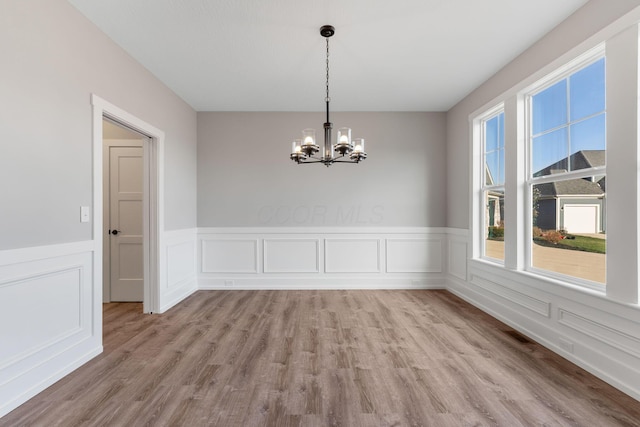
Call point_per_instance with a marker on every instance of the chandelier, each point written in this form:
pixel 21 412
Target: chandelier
pixel 345 150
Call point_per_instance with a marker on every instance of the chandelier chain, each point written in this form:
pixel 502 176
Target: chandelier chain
pixel 327 99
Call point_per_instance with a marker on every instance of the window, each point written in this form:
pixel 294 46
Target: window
pixel 556 181
pixel 567 179
pixel 493 178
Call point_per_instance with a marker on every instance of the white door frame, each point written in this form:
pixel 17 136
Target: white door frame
pixel 153 221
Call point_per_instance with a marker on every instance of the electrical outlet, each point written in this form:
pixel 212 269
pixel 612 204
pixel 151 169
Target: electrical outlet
pixel 566 345
pixel 228 282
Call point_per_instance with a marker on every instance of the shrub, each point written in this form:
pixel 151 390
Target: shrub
pixel 552 236
pixel 537 232
pixel 496 232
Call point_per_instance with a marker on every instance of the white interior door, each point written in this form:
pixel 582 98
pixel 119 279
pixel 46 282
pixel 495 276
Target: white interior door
pixel 125 223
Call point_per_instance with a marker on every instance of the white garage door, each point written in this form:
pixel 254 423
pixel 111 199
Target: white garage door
pixel 581 218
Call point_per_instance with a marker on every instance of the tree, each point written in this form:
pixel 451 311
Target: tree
pixel 535 198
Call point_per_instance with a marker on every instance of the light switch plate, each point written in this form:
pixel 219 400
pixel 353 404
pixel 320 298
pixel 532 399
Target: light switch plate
pixel 84 214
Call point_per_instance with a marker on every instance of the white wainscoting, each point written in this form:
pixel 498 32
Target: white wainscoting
pixel 229 255
pixel 352 255
pixel 415 255
pixel 582 325
pixel 50 317
pixel 321 258
pixel 178 277
pixel 291 255
pixel 457 253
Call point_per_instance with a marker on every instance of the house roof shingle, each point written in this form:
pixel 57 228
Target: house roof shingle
pixel 569 187
pixel 572 187
pixel 583 159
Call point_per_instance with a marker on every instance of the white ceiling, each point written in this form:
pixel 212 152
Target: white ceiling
pixel 268 55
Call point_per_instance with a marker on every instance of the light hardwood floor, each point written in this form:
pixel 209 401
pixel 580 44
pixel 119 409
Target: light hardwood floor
pixel 322 358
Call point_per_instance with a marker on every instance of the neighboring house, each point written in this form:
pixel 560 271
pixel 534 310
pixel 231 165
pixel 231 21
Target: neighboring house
pixel 576 205
pixel 494 202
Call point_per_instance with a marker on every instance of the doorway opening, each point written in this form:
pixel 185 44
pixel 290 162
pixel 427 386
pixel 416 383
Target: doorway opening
pixel 123 198
pixel 138 205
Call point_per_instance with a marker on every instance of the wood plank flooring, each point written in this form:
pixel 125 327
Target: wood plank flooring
pixel 322 358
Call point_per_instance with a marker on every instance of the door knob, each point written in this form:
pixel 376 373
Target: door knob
pixel 115 232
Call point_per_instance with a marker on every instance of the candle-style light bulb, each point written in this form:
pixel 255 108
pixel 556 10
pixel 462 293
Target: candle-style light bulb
pixel 344 136
pixel 309 136
pixel 358 145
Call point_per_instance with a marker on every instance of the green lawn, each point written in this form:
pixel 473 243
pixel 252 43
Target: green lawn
pixel 580 243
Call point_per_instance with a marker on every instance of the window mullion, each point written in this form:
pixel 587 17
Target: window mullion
pixel 568 125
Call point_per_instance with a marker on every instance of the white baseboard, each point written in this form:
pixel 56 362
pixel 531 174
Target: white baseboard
pixel 320 283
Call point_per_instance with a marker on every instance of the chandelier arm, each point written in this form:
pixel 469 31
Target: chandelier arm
pixel 327 162
pixel 302 162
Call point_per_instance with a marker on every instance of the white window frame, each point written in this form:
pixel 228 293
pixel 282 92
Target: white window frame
pixel 480 145
pixel 561 73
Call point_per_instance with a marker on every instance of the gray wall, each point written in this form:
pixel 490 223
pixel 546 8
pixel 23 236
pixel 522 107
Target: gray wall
pixel 52 60
pixel 546 214
pixel 245 177
pixel 585 22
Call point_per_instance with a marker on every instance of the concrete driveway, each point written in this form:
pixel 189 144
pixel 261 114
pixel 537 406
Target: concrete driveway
pixel 586 265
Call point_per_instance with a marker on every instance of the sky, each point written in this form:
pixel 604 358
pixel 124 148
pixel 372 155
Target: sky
pixel 567 117
pixel 494 148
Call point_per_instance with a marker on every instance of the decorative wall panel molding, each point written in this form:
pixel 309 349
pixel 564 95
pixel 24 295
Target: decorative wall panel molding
pixel 604 333
pixel 50 317
pixel 181 259
pixel 321 258
pixel 180 277
pixel 457 257
pixel 291 255
pixel 414 255
pixel 229 255
pixel 538 306
pixel 352 255
pixel 56 295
